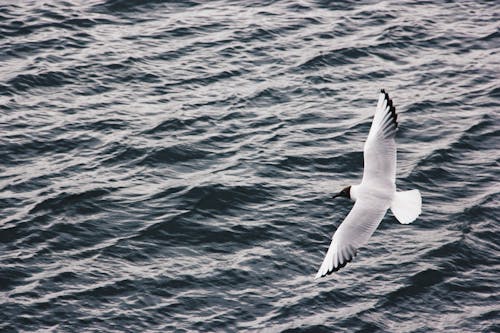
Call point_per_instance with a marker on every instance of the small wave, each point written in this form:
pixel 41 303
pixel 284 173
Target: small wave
pixel 70 200
pixel 39 147
pixel 25 82
pixel 120 154
pixel 174 154
pixel 417 284
pixel 266 97
pixel 218 198
pixel 209 79
pixel 333 58
pixel 470 139
pixel 182 230
pixel 175 124
pixel 12 276
pixel 125 6
pixel 185 31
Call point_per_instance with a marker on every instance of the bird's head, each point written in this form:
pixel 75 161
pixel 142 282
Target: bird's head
pixel 346 193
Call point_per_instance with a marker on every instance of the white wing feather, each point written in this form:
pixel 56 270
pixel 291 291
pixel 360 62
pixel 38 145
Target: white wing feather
pixel 380 146
pixel 357 228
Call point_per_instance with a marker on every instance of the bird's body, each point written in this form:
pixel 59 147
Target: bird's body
pixel 375 194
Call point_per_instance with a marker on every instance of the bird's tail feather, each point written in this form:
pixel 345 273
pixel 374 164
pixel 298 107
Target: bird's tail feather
pixel 407 206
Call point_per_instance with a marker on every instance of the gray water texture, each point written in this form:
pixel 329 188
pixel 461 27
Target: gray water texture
pixel 168 166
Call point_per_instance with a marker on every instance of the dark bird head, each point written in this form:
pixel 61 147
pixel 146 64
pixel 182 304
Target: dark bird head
pixel 346 193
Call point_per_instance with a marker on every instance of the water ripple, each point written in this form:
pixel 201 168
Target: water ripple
pixel 168 165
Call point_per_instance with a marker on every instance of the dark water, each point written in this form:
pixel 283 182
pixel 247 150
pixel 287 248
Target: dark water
pixel 169 165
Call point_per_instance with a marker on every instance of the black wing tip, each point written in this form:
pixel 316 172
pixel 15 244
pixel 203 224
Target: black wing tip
pixel 342 265
pixel 392 108
pixel 335 269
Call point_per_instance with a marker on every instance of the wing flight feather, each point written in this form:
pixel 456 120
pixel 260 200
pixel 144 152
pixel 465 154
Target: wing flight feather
pixel 380 146
pixel 357 228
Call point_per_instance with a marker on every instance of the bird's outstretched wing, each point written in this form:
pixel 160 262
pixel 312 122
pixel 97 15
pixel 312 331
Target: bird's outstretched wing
pixel 357 228
pixel 379 170
pixel 380 146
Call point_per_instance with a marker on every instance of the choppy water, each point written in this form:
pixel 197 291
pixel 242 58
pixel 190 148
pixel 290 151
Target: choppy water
pixel 168 165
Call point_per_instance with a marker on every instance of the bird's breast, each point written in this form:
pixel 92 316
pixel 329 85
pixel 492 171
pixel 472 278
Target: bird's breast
pixel 380 193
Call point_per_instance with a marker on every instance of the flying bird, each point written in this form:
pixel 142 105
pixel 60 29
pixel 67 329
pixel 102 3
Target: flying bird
pixel 375 194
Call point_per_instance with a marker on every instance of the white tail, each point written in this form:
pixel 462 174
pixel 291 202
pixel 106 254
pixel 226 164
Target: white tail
pixel 406 206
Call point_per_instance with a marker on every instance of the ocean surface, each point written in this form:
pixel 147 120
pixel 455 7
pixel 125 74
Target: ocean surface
pixel 169 166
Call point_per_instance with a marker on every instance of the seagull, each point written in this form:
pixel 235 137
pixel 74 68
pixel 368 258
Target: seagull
pixel 375 194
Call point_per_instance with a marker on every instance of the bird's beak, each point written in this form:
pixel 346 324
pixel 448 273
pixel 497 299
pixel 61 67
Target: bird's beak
pixel 336 195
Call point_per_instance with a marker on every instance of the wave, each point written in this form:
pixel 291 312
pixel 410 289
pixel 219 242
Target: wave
pixel 168 165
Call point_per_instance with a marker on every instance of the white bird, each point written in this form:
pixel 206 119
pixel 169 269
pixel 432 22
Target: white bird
pixel 375 194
